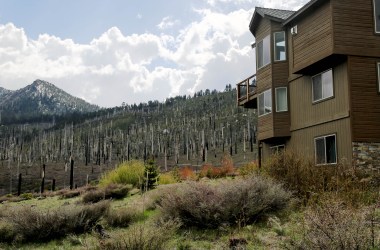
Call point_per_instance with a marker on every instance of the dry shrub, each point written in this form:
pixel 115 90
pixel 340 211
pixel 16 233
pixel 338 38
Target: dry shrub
pixel 210 171
pixel 187 174
pixel 68 194
pixel 250 168
pixel 123 217
pixel 143 236
pixel 227 165
pixel 112 191
pixel 332 225
pixel 310 181
pixel 238 201
pixel 7 233
pixel 167 178
pixel 32 225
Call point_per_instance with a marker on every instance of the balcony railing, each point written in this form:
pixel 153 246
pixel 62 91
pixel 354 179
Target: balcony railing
pixel 246 89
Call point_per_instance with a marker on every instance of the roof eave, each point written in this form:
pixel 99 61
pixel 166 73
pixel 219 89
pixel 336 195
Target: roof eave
pixel 301 11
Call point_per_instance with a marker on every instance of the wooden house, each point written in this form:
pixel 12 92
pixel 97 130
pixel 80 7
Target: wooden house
pixel 317 83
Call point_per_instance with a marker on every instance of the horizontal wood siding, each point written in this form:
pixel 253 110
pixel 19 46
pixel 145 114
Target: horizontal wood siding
pixel 365 99
pixel 265 127
pixel 302 141
pixel 305 113
pixel 354 32
pixel 314 40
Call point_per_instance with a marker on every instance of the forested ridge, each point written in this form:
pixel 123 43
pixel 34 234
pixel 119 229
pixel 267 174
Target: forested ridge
pixel 183 130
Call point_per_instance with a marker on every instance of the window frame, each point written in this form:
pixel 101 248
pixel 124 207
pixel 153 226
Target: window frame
pixel 277 148
pixel 325 150
pixel 271 101
pixel 312 87
pixel 287 105
pixel 257 52
pixel 374 17
pixel 274 46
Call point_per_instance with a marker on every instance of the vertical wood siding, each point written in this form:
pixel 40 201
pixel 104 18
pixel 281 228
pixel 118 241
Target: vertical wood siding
pixel 354 32
pixel 365 99
pixel 305 113
pixel 314 40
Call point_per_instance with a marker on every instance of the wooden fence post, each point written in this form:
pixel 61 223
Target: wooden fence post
pixel 72 174
pixel 19 184
pixel 53 185
pixel 43 179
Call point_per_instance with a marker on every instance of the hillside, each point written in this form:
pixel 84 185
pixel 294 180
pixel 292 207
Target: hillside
pixel 180 131
pixel 38 99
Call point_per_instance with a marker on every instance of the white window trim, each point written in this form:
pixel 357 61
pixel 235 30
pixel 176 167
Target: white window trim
pixel 274 46
pixel 277 147
pixel 263 93
pixel 374 17
pixel 315 150
pixel 286 88
pixel 312 89
pixel 257 57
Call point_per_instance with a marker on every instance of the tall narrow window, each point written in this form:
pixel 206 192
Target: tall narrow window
pixel 279 46
pixel 322 85
pixel 281 99
pixel 325 150
pixel 376 12
pixel 265 102
pixel 263 52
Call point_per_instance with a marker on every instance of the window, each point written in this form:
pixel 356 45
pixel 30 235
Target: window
pixel 322 85
pixel 263 52
pixel 378 76
pixel 376 12
pixel 281 99
pixel 277 149
pixel 279 46
pixel 325 150
pixel 265 102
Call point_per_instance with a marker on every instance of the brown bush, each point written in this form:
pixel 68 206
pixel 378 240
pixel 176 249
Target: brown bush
pixel 112 191
pixel 123 217
pixel 238 201
pixel 310 181
pixel 32 225
pixel 332 225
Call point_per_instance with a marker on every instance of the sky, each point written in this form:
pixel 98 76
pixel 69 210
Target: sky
pixel 112 51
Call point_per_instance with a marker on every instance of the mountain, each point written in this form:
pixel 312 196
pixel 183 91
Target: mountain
pixel 41 98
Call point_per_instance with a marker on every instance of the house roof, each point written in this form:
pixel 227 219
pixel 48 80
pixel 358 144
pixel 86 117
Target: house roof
pixel 310 6
pixel 273 14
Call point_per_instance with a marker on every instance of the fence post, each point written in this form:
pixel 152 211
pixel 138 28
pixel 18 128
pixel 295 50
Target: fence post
pixel 43 179
pixel 53 185
pixel 72 174
pixel 19 184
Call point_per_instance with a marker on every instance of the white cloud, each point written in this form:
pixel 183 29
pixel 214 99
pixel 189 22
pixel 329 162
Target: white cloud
pixel 167 22
pixel 115 68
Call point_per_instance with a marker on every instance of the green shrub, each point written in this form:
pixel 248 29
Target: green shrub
pixel 249 169
pixel 143 236
pixel 167 178
pixel 32 225
pixel 332 225
pixel 238 201
pixel 27 196
pixel 131 172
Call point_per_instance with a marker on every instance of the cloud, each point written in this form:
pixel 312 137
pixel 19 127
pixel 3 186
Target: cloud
pixel 167 22
pixel 210 52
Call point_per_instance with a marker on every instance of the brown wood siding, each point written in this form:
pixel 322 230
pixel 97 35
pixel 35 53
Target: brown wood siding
pixel 305 113
pixel 265 127
pixel 365 99
pixel 302 141
pixel 314 40
pixel 354 32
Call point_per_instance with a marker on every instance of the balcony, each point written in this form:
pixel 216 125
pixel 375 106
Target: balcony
pixel 246 92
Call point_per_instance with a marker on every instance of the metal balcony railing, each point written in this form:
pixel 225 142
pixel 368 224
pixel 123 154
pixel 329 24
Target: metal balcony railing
pixel 246 89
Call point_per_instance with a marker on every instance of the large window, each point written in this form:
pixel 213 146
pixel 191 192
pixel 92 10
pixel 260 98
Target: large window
pixel 323 86
pixel 263 52
pixel 281 99
pixel 325 149
pixel 279 46
pixel 376 12
pixel 265 102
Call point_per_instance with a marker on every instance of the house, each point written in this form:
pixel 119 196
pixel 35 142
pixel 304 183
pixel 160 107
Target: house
pixel 317 83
